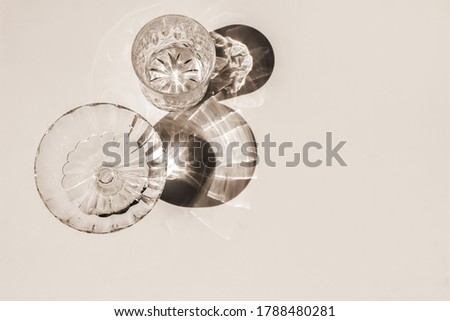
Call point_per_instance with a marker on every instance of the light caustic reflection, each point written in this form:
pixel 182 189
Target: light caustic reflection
pixel 196 177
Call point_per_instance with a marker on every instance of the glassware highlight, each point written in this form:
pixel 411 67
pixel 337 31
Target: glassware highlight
pixel 173 57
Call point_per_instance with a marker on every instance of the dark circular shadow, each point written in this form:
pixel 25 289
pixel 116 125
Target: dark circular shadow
pixel 263 56
pixel 211 155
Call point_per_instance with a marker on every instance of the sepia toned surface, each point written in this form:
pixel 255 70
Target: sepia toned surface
pixel 375 73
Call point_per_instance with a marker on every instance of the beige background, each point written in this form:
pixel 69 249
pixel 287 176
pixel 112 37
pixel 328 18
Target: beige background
pixel 375 73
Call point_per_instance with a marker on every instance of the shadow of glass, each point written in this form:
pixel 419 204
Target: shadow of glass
pixel 259 49
pixel 202 169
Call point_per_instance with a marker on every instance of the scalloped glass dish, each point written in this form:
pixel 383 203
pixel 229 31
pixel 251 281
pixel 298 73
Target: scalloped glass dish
pixel 173 56
pixel 100 168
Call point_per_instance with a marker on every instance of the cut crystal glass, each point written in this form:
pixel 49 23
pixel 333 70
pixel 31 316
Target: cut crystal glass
pixel 100 168
pixel 173 57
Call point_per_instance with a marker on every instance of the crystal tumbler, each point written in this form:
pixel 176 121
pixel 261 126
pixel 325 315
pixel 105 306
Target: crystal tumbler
pixel 173 57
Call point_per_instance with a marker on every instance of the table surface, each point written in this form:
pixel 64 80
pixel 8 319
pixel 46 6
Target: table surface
pixel 374 73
